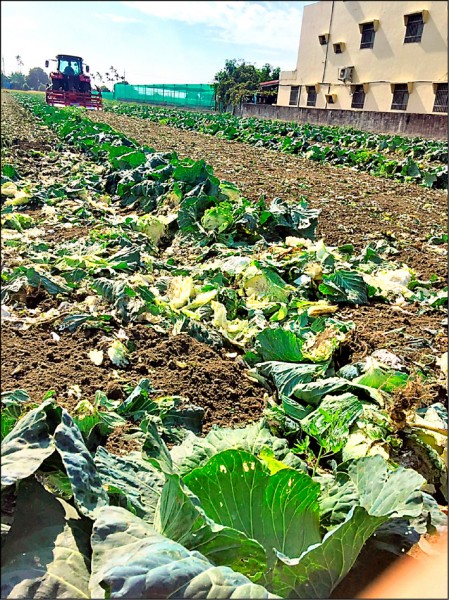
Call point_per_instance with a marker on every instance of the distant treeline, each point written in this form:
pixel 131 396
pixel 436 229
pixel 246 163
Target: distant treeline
pixel 37 79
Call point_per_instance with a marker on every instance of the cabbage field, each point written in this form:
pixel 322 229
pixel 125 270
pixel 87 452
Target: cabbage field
pixel 406 159
pixel 224 354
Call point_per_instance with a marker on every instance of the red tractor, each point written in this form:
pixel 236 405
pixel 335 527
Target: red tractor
pixel 70 86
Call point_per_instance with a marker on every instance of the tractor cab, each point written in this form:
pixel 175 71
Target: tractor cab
pixel 70 86
pixel 74 63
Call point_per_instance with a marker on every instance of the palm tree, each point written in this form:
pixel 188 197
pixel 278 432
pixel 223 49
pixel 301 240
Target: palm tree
pixel 98 77
pixel 19 62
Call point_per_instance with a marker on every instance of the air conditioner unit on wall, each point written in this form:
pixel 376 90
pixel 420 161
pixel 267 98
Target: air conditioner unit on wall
pixel 345 74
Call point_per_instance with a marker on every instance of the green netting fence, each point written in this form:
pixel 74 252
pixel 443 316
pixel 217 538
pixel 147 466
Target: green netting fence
pixel 193 95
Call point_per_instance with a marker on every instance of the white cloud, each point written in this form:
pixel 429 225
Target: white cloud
pixel 117 18
pixel 273 25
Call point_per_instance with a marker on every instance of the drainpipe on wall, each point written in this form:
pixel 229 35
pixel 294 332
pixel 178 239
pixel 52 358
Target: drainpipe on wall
pixel 327 47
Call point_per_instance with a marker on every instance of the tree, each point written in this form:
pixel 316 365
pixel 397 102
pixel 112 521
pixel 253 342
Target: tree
pixel 19 62
pixel 275 73
pixel 268 73
pixel 98 78
pixel 17 80
pixel 112 75
pixel 36 77
pixel 239 81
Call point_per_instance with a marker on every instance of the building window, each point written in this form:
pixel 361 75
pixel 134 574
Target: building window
pixel 358 97
pixel 331 98
pixel 311 95
pixel 338 48
pixel 440 104
pixel 400 97
pixel 294 95
pixel 323 39
pixel 368 34
pixel 414 28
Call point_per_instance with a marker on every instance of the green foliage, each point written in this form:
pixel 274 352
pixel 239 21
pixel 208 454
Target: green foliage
pixel 344 286
pixel 409 159
pixel 329 424
pixel 130 559
pixel 234 513
pixel 26 447
pixel 133 479
pixel 194 451
pixel 181 517
pixel 52 559
pixel 17 80
pixel 227 503
pixel 279 511
pixel 239 80
pixel 37 77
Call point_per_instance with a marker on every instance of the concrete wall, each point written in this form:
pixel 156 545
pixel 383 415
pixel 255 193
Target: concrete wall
pixel 428 126
pixel 421 64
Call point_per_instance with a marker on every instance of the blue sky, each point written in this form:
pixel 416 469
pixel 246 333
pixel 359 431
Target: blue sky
pixel 152 41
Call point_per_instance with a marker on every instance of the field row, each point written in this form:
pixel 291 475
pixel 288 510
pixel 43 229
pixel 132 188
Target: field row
pixel 158 245
pixel 392 156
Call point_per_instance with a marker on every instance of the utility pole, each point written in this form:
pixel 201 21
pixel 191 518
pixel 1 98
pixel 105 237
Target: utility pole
pixel 3 65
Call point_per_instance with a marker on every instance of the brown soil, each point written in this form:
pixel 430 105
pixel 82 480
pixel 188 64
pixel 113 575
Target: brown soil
pixel 118 443
pixel 62 234
pixel 23 147
pixel 178 365
pixel 416 338
pixel 23 139
pixel 404 401
pixel 356 207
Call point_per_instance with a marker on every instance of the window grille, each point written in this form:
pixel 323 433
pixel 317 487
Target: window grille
pixel 400 97
pixel 414 28
pixel 294 95
pixel 311 96
pixel 338 48
pixel 323 39
pixel 358 97
pixel 368 35
pixel 440 104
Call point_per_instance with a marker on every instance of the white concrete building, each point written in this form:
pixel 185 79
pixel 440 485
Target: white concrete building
pixel 374 56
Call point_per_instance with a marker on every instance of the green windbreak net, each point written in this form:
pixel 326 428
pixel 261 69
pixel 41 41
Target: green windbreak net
pixel 200 94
